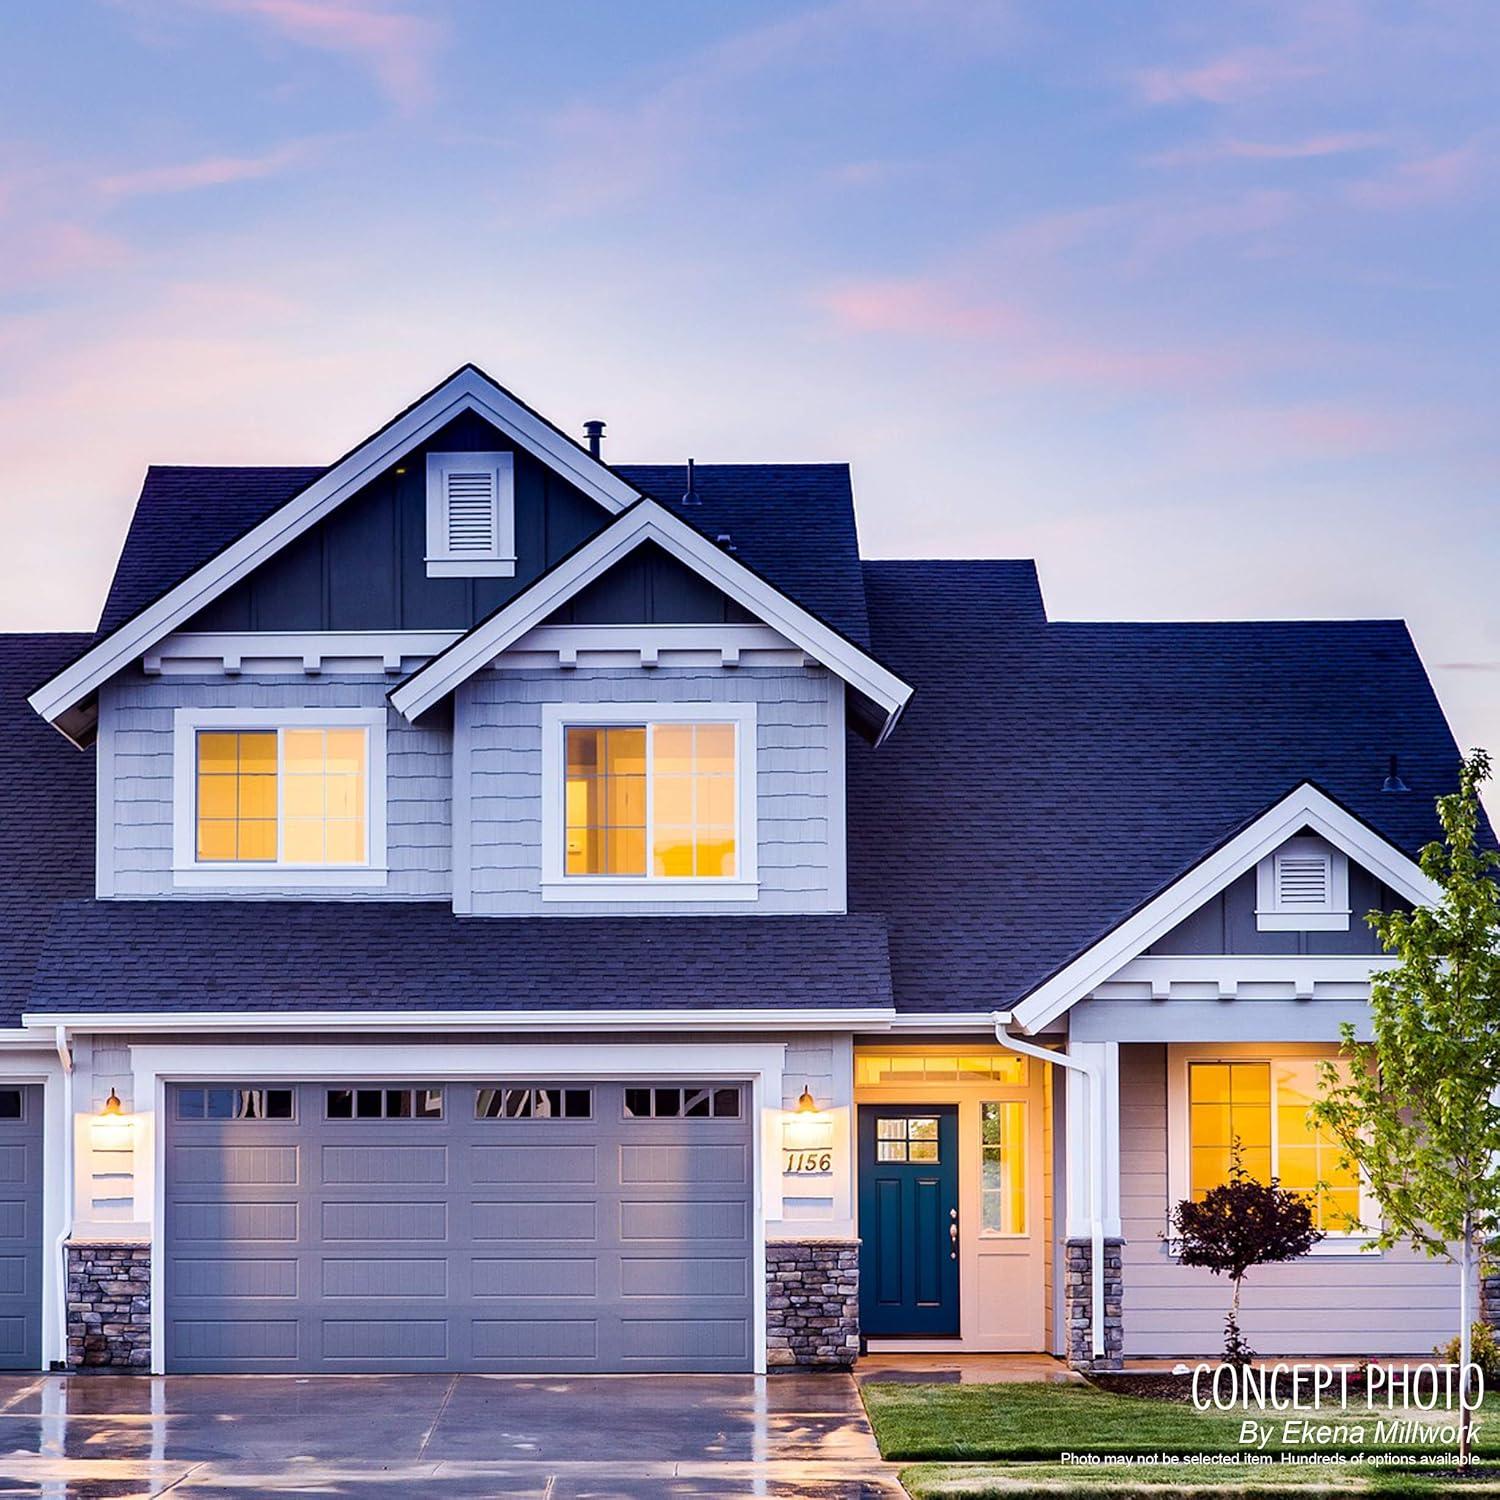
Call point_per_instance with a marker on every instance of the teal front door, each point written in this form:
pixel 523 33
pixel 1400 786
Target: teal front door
pixel 908 1220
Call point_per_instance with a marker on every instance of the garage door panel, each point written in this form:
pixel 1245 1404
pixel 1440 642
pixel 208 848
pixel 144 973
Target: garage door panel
pixel 242 1166
pixel 21 1226
pixel 527 1165
pixel 533 1222
pixel 240 1276
pixel 384 1165
pixel 214 1221
pixel 12 1275
pixel 13 1164
pixel 380 1276
pixel 516 1228
pixel 16 1219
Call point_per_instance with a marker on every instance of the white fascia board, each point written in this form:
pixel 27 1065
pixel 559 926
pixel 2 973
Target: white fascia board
pixel 649 521
pixel 872 1018
pixel 468 390
pixel 1306 807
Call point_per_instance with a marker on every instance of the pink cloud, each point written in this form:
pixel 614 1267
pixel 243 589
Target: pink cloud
pixel 213 171
pixel 47 251
pixel 1243 74
pixel 397 46
pixel 1310 148
pixel 1420 182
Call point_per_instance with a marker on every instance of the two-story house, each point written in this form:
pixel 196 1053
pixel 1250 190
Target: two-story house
pixel 473 907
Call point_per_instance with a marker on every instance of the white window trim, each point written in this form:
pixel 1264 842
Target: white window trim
pixel 190 872
pixel 1336 1242
pixel 1270 916
pixel 500 560
pixel 558 886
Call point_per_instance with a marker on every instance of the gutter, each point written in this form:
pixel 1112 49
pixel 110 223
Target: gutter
pixel 60 1245
pixel 1095 1107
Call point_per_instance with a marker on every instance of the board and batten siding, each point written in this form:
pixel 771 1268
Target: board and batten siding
pixel 136 718
pixel 1396 1303
pixel 800 745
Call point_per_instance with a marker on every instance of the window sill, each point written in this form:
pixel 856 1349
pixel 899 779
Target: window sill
pixel 471 567
pixel 587 888
pixel 314 877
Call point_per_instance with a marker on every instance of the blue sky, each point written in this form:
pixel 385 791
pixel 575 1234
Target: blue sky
pixel 1194 303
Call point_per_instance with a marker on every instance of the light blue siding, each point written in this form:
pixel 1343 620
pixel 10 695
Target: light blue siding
pixel 799 734
pixel 139 710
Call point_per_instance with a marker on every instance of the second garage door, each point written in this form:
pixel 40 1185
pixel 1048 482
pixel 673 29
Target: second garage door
pixel 518 1226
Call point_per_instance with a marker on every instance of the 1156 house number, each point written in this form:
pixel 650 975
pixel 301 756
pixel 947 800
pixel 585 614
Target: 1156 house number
pixel 809 1161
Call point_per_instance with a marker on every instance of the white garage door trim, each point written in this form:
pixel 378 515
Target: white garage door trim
pixel 22 1069
pixel 154 1067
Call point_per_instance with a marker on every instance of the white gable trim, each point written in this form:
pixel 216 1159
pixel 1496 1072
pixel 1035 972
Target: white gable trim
pixel 649 521
pixel 468 390
pixel 1305 808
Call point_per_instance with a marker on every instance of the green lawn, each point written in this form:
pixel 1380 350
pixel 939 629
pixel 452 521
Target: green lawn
pixel 1190 1482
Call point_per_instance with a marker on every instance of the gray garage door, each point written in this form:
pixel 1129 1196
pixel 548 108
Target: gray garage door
pixel 526 1225
pixel 21 1227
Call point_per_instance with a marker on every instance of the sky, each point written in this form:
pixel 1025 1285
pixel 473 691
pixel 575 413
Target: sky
pixel 1195 304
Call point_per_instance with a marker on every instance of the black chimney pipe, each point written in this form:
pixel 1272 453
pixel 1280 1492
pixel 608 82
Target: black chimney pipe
pixel 595 432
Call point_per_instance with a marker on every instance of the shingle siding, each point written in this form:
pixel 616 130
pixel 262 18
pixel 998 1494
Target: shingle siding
pixel 796 736
pixel 139 710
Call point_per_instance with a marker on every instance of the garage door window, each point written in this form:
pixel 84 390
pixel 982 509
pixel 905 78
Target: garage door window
pixel 385 1104
pixel 533 1102
pixel 691 1102
pixel 234 1104
pixel 10 1104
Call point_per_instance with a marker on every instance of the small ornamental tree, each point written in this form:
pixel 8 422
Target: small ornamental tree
pixel 1420 1109
pixel 1240 1224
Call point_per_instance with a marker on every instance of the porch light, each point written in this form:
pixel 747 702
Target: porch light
pixel 111 1127
pixel 112 1105
pixel 807 1105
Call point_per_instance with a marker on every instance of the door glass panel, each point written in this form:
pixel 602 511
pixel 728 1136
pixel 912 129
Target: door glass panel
pixel 909 1139
pixel 1002 1167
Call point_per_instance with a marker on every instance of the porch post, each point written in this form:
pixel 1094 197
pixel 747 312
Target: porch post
pixel 1103 1059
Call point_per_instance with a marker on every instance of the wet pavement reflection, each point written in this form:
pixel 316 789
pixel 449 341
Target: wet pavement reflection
pixel 603 1437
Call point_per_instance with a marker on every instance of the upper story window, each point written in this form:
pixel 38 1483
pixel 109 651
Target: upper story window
pixel 1303 887
pixel 471 515
pixel 649 801
pixel 279 796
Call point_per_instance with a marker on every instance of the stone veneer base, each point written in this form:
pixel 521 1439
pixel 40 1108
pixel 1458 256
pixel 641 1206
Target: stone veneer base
pixel 1078 1306
pixel 109 1306
pixel 812 1304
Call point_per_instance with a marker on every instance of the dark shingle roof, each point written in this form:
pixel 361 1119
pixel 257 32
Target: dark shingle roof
pixel 1047 779
pixel 47 818
pixel 304 955
pixel 793 523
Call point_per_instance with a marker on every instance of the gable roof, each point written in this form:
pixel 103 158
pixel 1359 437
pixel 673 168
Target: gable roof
pixel 468 389
pixel 649 521
pixel 47 821
pixel 1049 778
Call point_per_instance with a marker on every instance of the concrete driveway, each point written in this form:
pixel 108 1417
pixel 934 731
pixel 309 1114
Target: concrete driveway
pixel 606 1437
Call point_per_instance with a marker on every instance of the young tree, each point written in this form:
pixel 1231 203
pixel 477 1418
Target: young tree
pixel 1419 1111
pixel 1237 1225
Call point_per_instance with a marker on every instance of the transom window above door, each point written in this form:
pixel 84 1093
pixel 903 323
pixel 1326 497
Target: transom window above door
pixel 912 1138
pixel 649 801
pixel 279 797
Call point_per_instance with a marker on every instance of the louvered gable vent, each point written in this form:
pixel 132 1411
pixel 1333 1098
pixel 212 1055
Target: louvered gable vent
pixel 1303 887
pixel 470 515
pixel 1302 882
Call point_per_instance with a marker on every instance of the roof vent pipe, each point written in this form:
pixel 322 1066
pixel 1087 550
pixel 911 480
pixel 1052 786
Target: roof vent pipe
pixel 595 432
pixel 690 495
pixel 1393 781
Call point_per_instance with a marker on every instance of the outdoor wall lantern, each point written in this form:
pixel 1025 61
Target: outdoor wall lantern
pixel 807 1137
pixel 111 1129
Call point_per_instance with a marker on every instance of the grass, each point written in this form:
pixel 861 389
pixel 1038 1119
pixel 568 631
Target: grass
pixel 927 1423
pixel 1187 1482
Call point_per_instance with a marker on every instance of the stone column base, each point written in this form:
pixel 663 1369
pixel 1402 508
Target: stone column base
pixel 109 1306
pixel 812 1304
pixel 1078 1306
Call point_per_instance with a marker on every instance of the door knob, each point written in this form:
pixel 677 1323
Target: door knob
pixel 953 1233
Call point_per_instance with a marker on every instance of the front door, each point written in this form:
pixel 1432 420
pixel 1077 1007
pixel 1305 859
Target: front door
pixel 908 1220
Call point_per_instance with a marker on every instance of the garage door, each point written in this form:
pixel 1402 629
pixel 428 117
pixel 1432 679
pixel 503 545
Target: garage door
pixel 528 1225
pixel 21 1227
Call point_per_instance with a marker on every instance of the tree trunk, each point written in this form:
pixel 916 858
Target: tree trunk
pixel 1465 1334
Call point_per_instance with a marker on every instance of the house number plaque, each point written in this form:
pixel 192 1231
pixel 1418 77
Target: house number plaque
pixel 802 1163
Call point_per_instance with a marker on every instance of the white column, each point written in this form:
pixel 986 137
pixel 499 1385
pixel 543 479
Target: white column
pixel 1103 1058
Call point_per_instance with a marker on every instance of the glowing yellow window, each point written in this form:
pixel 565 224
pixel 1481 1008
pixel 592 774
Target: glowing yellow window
pixel 237 796
pixel 1308 1158
pixel 1229 1104
pixel 290 796
pixel 664 790
pixel 1002 1168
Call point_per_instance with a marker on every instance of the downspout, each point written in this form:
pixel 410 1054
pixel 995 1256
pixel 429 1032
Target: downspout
pixel 1094 1104
pixel 60 1248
